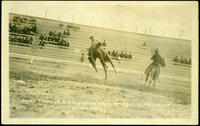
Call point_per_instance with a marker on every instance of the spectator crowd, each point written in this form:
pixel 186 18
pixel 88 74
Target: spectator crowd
pixel 182 60
pixel 117 54
pixel 30 30
pixel 20 19
pixel 21 39
pixel 57 37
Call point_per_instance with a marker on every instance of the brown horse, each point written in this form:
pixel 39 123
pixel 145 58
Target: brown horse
pixel 153 73
pixel 102 55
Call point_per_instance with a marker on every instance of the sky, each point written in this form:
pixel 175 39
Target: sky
pixel 156 18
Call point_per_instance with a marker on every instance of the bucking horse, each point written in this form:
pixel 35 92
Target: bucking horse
pixel 102 55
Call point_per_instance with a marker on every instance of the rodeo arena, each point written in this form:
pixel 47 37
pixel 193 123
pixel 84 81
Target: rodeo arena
pixel 71 70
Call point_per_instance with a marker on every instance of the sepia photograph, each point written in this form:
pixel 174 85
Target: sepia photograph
pixel 99 62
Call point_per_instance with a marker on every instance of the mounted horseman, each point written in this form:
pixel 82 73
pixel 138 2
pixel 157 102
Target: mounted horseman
pixel 96 51
pixel 153 70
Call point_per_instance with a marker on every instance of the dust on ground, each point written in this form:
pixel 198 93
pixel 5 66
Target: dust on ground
pixel 46 90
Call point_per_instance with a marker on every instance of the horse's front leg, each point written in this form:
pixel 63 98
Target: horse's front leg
pixel 154 82
pixel 112 64
pixel 95 68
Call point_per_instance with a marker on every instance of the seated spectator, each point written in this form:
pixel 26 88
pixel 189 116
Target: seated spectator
pixel 50 33
pixel 45 37
pixel 176 59
pixel 68 32
pixel 10 27
pixel 121 54
pixel 59 34
pixel 41 37
pixel 117 53
pixel 130 56
pixel 61 25
pixel 104 43
pixel 14 27
pixel 185 61
pixel 144 44
pixel 181 60
pixel 34 28
pixel 67 43
pixel 125 55
pixel 113 53
pixel 41 43
pixel 25 30
pixel 50 38
pixel 30 40
pixel 15 38
pixel 64 33
pixel 10 38
pixel 189 61
pixel 24 19
pixel 109 52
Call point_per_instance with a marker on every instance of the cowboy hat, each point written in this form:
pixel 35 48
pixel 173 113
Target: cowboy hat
pixel 91 37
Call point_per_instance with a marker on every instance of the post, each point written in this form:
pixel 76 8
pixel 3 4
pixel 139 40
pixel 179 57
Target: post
pixel 150 30
pixel 181 33
pixel 91 20
pixel 136 29
pixel 45 14
pixel 121 27
pixel 145 31
pixel 163 33
pixel 26 10
pixel 58 17
pixel 104 24
pixel 73 18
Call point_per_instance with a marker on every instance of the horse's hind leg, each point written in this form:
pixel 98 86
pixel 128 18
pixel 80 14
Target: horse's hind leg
pixel 150 83
pixel 154 82
pixel 146 79
pixel 104 67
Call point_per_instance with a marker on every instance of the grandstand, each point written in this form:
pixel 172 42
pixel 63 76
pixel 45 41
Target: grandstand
pixel 115 39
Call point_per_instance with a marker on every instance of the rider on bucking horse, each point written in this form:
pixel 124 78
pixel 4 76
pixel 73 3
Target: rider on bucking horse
pixel 95 44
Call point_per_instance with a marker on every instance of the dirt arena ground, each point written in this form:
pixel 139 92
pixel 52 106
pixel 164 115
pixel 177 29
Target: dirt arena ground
pixel 46 90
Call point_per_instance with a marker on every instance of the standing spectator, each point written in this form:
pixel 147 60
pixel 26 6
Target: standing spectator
pixel 82 57
pixel 68 32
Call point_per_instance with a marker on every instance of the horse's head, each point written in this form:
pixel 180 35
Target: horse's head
pixel 163 64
